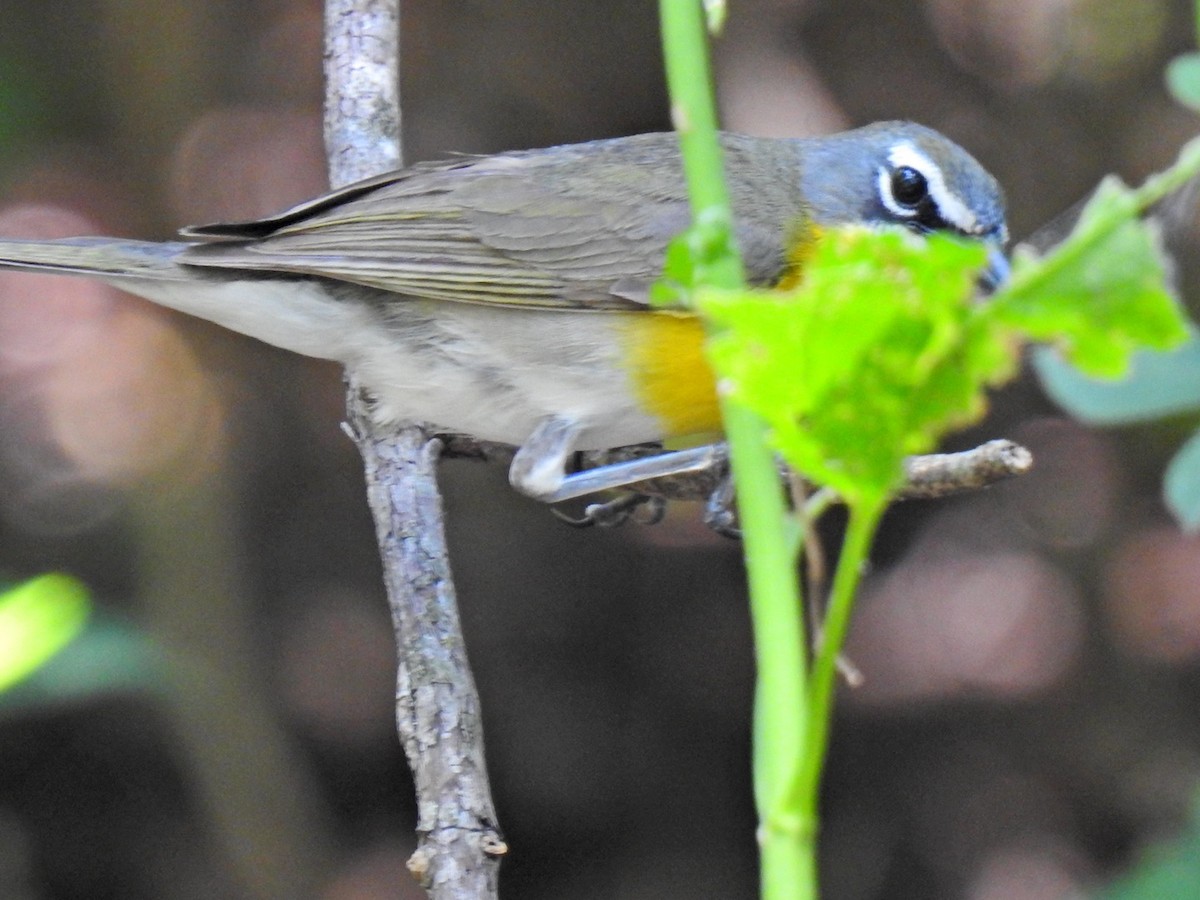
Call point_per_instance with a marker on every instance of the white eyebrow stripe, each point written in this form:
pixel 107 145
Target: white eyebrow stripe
pixel 950 206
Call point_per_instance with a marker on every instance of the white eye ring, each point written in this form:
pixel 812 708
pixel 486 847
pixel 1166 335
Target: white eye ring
pixel 950 207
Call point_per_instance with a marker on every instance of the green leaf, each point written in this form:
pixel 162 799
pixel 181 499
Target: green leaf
pixel 1168 871
pixel 881 349
pixel 872 357
pixel 703 254
pixel 37 620
pixel 1100 294
pixel 1103 292
pixel 110 655
pixel 1183 79
pixel 673 288
pixel 1159 383
pixel 1181 484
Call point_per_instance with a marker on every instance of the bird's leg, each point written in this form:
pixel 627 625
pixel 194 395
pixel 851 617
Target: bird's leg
pixel 539 469
pixel 720 511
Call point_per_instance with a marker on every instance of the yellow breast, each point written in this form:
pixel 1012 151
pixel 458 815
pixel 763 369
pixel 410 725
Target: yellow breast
pixel 665 353
pixel 669 372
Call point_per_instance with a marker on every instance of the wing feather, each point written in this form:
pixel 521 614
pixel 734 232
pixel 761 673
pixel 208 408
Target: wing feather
pixel 582 226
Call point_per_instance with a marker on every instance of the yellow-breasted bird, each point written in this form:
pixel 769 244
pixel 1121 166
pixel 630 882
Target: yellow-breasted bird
pixel 505 297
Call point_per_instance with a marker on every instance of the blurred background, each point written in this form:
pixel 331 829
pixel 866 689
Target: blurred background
pixel 222 726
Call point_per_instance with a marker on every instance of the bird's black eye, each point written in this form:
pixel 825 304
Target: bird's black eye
pixel 909 187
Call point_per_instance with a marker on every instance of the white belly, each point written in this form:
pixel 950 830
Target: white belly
pixel 489 372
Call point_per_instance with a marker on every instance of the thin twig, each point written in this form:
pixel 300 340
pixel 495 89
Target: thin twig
pixel 944 474
pixel 437 706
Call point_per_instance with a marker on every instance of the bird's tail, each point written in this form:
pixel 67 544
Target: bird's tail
pixel 298 314
pixel 109 259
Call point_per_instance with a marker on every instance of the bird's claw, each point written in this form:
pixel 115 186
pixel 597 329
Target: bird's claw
pixel 614 513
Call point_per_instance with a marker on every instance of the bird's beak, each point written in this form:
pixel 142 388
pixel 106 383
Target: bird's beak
pixel 996 272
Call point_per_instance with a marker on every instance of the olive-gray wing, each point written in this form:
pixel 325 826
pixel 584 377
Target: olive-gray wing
pixel 577 227
pixel 582 226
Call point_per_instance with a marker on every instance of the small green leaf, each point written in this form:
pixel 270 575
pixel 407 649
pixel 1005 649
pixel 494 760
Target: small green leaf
pixel 673 288
pixel 38 619
pixel 703 254
pixel 1181 484
pixel 1101 294
pixel 872 357
pixel 1159 383
pixel 1183 79
pixel 108 656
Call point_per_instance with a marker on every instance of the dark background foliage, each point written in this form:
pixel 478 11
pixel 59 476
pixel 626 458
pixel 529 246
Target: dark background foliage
pixel 1028 721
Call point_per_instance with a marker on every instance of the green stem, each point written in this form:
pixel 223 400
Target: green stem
pixel 780 717
pixel 780 720
pixel 819 503
pixel 1157 187
pixel 686 53
pixel 860 532
pixel 685 45
pixel 1139 201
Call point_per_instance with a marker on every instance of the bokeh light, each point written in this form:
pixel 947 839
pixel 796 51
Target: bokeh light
pixel 102 390
pixel 1026 871
pixel 1070 499
pixel 335 667
pixel 376 873
pixel 1005 625
pixel 237 163
pixel 1014 45
pixel 1152 596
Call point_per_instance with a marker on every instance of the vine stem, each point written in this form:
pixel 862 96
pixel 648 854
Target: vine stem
pixel 788 851
pixel 856 547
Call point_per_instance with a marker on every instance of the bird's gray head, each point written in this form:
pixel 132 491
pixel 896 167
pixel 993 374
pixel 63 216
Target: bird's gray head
pixel 906 174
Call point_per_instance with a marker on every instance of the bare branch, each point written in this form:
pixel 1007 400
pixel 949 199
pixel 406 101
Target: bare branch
pixel 926 477
pixel 362 88
pixel 437 706
pixel 944 474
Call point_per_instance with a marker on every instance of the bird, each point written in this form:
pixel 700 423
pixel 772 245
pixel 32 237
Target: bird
pixel 507 297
